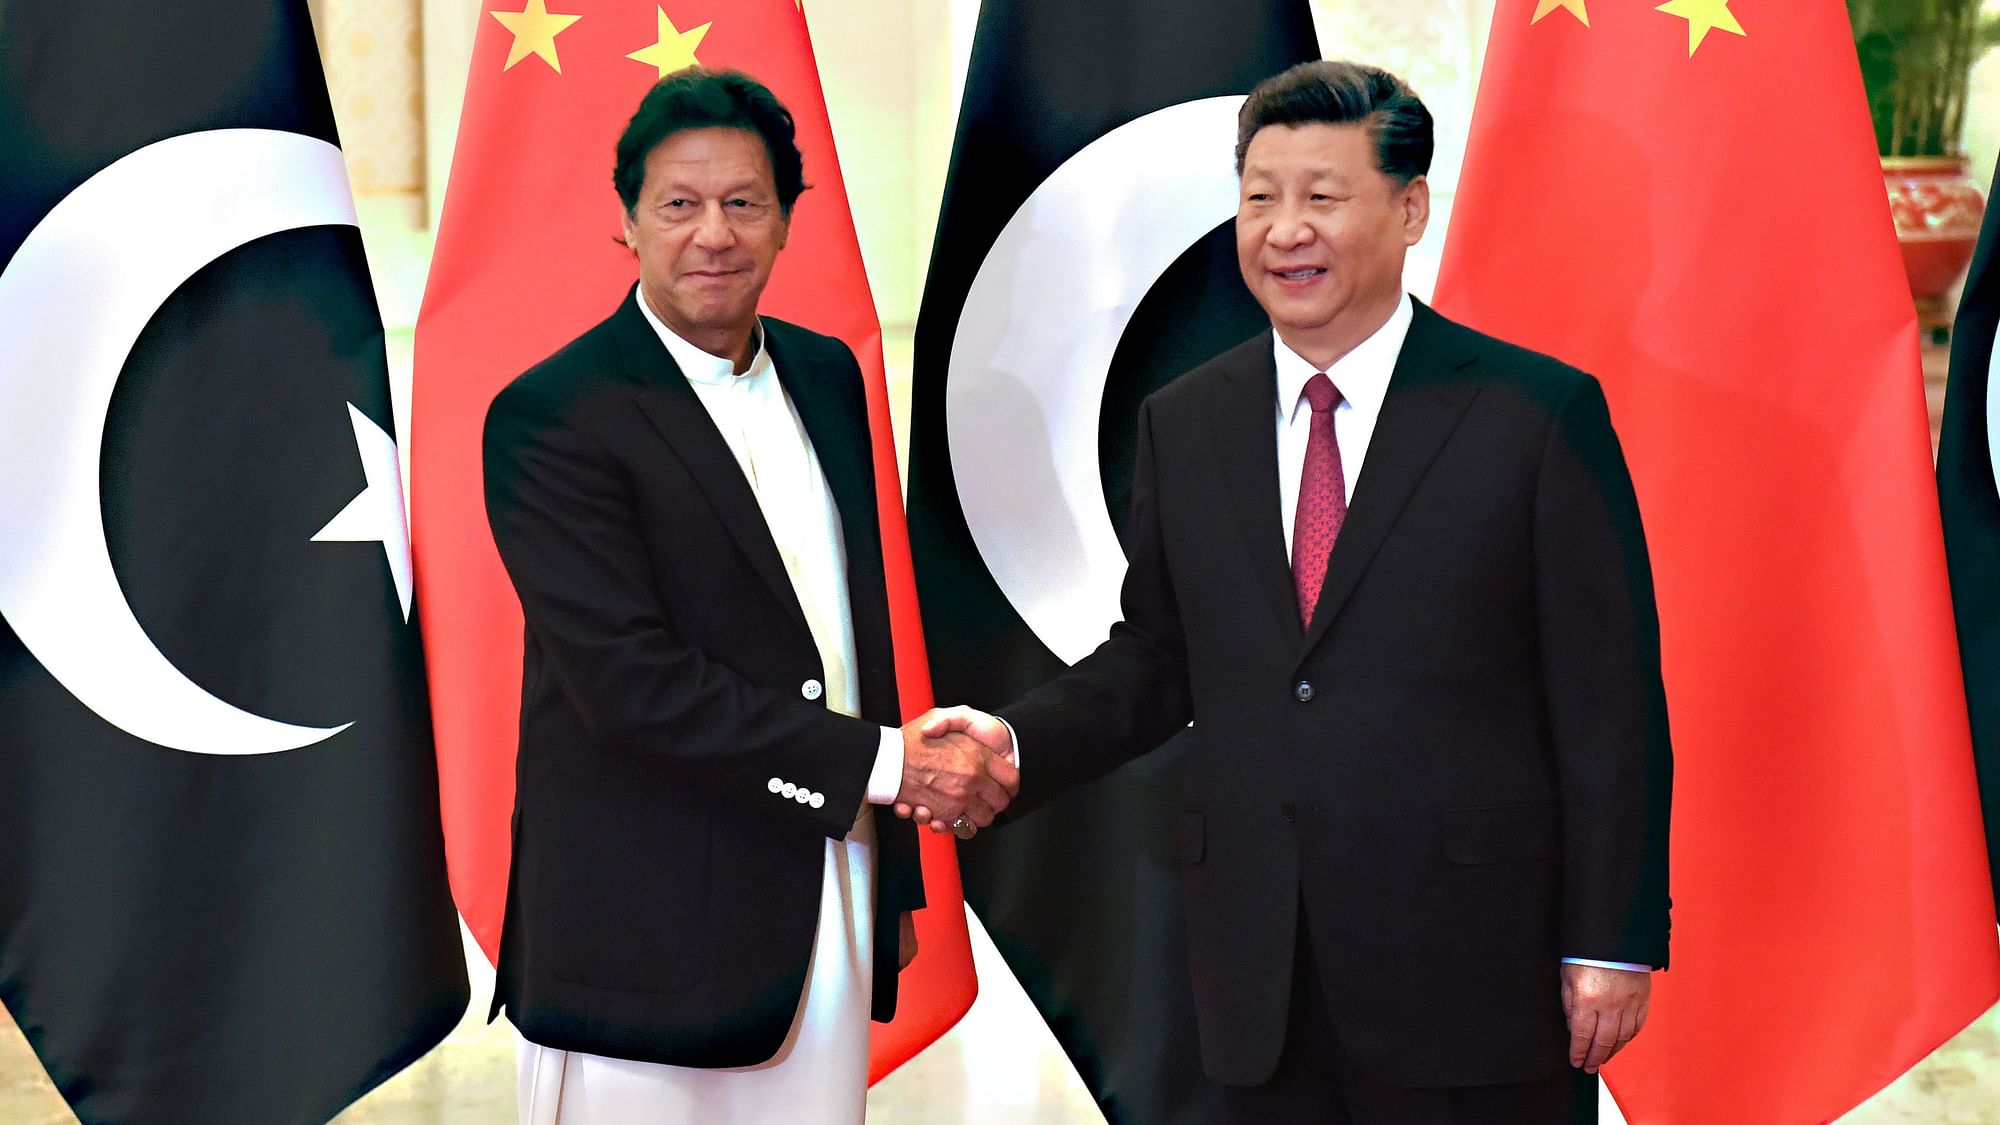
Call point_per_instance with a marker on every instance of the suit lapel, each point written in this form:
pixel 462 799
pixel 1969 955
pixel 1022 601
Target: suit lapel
pixel 835 413
pixel 1427 396
pixel 826 388
pixel 1245 423
pixel 672 406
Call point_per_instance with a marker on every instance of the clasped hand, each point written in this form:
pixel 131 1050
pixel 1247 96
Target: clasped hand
pixel 957 765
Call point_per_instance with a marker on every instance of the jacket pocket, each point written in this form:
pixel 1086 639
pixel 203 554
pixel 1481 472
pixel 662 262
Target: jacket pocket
pixel 1502 833
pixel 1193 836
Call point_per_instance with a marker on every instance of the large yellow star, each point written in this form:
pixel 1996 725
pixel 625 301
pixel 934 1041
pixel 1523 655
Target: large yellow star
pixel 535 32
pixel 1703 16
pixel 675 49
pixel 1573 7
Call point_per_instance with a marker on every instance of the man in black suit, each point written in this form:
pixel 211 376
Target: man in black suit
pixel 705 906
pixel 1424 834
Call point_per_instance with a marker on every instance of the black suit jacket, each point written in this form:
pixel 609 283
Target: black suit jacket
pixel 1461 768
pixel 665 890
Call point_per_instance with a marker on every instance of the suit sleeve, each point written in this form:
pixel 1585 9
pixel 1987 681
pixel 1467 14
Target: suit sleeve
pixel 1600 645
pixel 564 523
pixel 1131 694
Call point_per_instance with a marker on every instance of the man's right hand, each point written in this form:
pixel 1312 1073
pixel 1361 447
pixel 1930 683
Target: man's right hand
pixel 986 729
pixel 954 776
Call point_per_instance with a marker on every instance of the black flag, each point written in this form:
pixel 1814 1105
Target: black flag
pixel 225 896
pixel 1970 504
pixel 1084 257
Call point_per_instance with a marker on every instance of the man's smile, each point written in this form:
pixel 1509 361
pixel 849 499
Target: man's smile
pixel 1299 274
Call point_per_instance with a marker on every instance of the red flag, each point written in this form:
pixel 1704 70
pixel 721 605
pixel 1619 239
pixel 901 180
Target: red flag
pixel 527 257
pixel 1684 200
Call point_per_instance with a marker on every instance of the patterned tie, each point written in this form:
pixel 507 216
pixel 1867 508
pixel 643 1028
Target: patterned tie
pixel 1322 498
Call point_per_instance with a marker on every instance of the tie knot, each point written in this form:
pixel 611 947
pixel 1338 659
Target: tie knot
pixel 1321 393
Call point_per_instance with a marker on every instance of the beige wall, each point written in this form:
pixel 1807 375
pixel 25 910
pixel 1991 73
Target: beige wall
pixel 373 52
pixel 1982 118
pixel 1437 46
pixel 884 65
pixel 374 72
pixel 448 27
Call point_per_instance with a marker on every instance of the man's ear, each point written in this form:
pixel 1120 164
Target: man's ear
pixel 628 230
pixel 1415 201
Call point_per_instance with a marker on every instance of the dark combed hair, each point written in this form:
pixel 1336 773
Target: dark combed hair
pixel 1333 92
pixel 699 98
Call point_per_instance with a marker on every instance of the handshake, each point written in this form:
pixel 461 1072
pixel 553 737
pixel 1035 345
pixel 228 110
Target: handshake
pixel 959 770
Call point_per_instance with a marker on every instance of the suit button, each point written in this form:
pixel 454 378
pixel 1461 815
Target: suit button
pixel 1304 692
pixel 818 799
pixel 811 689
pixel 803 797
pixel 1288 812
pixel 790 790
pixel 776 784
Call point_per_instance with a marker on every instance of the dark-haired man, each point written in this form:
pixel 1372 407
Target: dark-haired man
pixel 705 907
pixel 1424 832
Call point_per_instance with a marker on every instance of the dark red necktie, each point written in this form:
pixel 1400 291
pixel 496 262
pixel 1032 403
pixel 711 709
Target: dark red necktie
pixel 1322 498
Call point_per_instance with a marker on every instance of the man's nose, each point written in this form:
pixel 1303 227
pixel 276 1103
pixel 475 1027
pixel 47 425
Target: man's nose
pixel 712 231
pixel 1289 229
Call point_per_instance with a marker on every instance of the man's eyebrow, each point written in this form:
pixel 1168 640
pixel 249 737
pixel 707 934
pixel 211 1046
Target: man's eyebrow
pixel 678 188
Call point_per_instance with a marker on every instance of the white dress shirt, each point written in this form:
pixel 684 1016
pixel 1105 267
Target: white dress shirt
pixel 764 432
pixel 1362 378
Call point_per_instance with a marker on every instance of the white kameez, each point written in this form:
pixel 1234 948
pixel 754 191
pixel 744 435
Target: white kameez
pixel 820 1075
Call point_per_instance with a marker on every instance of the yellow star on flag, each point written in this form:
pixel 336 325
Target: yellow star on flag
pixel 1573 7
pixel 535 32
pixel 1703 16
pixel 675 50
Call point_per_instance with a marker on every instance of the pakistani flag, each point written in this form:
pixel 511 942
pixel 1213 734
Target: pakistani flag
pixel 1084 258
pixel 1968 463
pixel 224 895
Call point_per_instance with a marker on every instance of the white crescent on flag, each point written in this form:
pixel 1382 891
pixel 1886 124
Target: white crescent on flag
pixel 73 301
pixel 1035 339
pixel 1993 404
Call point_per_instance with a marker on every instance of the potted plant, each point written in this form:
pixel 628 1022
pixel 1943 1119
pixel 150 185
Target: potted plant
pixel 1916 63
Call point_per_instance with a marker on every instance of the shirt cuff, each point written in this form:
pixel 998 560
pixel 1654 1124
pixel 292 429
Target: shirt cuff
pixel 1627 966
pixel 886 779
pixel 1013 741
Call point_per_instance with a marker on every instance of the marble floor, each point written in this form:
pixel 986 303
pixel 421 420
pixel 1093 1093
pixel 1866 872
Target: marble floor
pixel 999 1066
pixel 469 1078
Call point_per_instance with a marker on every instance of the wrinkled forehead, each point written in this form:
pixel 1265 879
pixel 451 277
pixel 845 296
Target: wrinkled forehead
pixel 1315 149
pixel 710 154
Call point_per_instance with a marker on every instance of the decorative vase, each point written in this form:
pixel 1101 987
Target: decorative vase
pixel 1937 208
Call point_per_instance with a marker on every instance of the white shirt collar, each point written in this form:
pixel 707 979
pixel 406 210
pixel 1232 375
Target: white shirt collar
pixel 1361 376
pixel 700 366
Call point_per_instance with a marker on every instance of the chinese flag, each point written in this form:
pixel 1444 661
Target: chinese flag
pixel 1684 200
pixel 527 257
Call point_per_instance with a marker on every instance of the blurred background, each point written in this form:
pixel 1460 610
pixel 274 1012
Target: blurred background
pixel 891 71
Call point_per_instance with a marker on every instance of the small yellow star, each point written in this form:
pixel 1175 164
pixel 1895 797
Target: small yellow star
pixel 535 32
pixel 1573 7
pixel 675 49
pixel 1703 16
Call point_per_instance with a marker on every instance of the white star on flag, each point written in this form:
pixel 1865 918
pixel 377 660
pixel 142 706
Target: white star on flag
pixel 376 516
